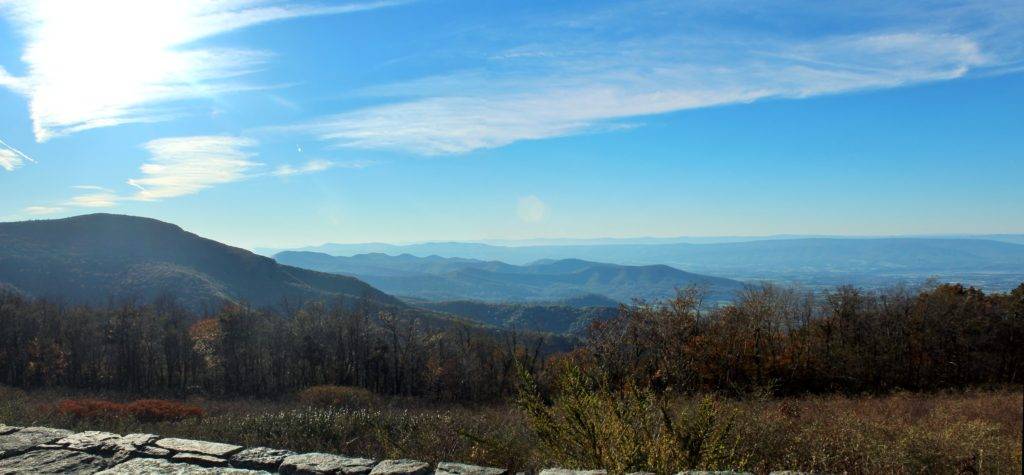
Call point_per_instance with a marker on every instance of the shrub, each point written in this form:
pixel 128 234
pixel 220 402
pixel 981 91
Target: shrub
pixel 336 396
pixel 144 410
pixel 903 433
pixel 623 430
pixel 89 408
pixel 159 410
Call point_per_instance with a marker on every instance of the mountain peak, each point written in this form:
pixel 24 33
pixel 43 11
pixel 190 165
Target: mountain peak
pixel 91 258
pixel 113 218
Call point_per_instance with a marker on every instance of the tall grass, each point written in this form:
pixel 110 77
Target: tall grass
pixel 968 432
pixel 382 428
pixel 588 425
pixel 957 432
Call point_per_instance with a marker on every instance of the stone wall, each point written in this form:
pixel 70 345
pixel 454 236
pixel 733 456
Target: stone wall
pixel 45 450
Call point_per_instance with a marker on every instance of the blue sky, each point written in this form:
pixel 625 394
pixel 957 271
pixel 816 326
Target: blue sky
pixel 266 123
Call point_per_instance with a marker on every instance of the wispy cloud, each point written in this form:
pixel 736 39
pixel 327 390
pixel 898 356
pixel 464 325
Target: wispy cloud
pixel 92 65
pixel 97 197
pixel 94 200
pixel 311 166
pixel 178 166
pixel 42 210
pixel 314 166
pixel 92 188
pixel 13 83
pixel 568 101
pixel 569 78
pixel 11 158
pixel 185 165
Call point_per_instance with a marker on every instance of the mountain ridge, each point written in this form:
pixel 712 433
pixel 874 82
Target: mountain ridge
pixel 437 278
pixel 95 257
pixel 816 261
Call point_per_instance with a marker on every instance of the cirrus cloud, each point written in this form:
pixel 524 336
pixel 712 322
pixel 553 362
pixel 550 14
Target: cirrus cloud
pixel 311 166
pixel 92 200
pixel 591 72
pixel 180 166
pixel 42 210
pixel 11 158
pixel 467 112
pixel 185 165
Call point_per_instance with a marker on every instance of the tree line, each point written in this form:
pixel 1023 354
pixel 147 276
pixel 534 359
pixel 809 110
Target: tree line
pixel 163 348
pixel 784 341
pixel 770 339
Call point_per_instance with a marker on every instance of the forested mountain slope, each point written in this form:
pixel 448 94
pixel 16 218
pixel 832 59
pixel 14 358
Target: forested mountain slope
pixel 98 257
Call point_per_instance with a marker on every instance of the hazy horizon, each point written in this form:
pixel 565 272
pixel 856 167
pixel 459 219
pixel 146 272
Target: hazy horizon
pixel 541 241
pixel 1015 238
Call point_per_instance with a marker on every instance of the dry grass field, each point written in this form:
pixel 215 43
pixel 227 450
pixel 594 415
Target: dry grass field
pixel 954 432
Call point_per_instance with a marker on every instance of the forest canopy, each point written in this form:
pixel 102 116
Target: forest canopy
pixel 771 339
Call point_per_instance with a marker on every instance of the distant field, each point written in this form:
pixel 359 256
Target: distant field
pixel 963 432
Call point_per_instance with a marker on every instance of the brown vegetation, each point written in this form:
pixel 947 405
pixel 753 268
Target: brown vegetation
pixel 630 399
pixel 163 349
pixel 631 430
pixel 772 339
pixel 143 410
pixel 954 432
pixel 781 379
pixel 787 342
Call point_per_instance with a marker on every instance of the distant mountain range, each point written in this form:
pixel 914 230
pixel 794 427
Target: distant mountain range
pixel 395 249
pixel 438 278
pixel 994 263
pixel 103 258
pixel 93 258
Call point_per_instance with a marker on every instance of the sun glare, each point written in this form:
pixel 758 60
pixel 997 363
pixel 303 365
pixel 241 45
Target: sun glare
pixel 103 64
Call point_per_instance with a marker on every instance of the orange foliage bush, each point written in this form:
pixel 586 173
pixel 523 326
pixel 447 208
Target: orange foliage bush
pixel 144 410
pixel 89 408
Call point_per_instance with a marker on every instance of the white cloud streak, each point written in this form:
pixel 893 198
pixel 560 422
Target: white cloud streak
pixel 568 102
pixel 318 165
pixel 12 158
pixel 185 165
pixel 13 83
pixel 94 200
pixel 92 188
pixel 100 64
pixel 179 166
pixel 311 166
pixel 42 210
pixel 549 89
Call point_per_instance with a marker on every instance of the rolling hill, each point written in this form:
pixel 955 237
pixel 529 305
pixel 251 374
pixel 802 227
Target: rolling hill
pixel 93 258
pixel 437 278
pixel 994 262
